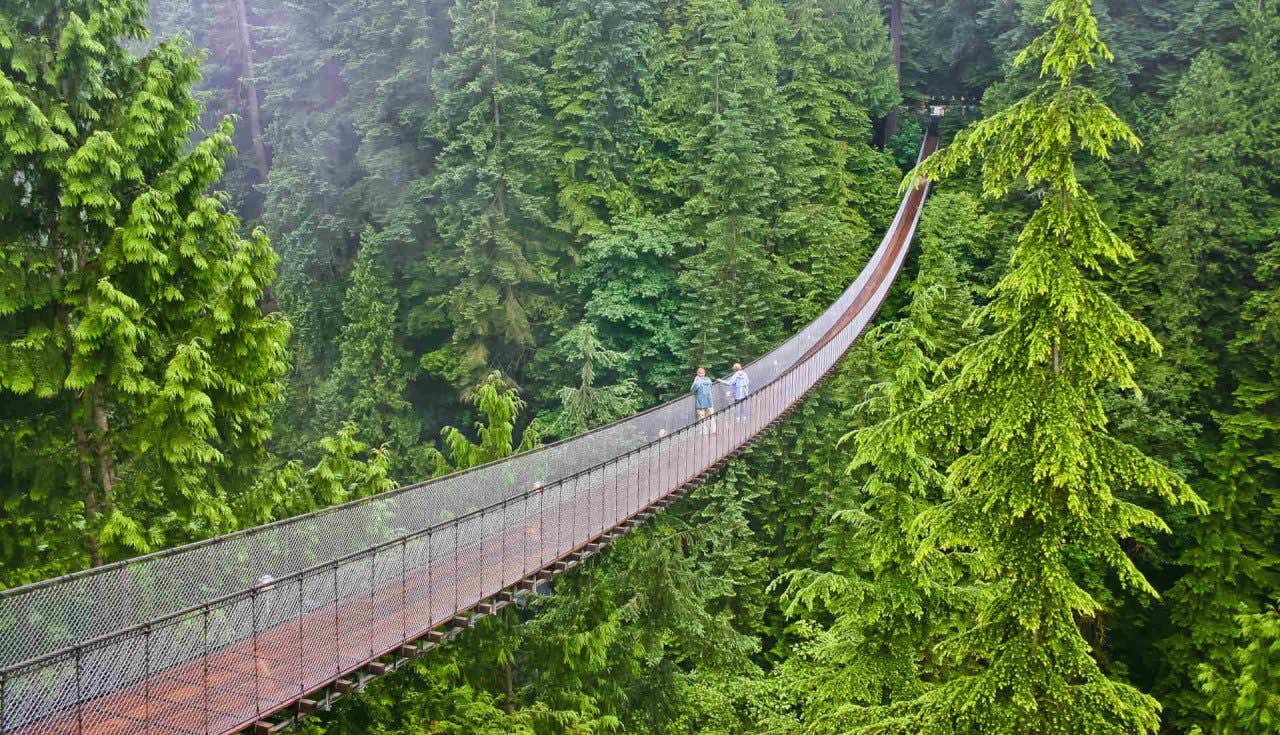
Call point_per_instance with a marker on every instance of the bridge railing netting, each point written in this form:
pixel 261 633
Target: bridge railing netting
pixel 198 635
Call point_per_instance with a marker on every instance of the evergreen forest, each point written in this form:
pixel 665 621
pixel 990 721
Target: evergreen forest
pixel 262 257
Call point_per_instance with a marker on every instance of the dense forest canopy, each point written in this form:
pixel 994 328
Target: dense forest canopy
pixel 259 257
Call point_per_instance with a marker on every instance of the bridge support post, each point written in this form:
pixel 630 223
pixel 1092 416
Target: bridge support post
pixel 404 592
pixel 257 685
pixel 204 668
pixel 337 643
pixel 79 698
pixel 373 583
pixel 146 688
pixel 302 656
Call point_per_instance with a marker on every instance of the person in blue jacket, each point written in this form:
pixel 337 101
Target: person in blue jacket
pixel 703 405
pixel 740 383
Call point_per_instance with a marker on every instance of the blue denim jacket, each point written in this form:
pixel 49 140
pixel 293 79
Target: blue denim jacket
pixel 702 392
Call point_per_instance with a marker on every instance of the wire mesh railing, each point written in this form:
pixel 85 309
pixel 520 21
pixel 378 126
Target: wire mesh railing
pixel 213 636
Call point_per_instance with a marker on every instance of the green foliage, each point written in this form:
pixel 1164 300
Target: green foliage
pixel 499 404
pixel 133 335
pixel 591 194
pixel 435 697
pixel 1040 486
pixel 1247 698
pixel 720 99
pixel 492 211
pixel 1219 237
pixel 346 90
pixel 888 603
pixel 835 64
pixel 595 95
pixel 587 405
pixel 348 469
pixel 633 302
pixel 368 385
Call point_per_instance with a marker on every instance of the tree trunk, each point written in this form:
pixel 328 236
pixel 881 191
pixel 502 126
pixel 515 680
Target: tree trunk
pixel 509 688
pixel 249 90
pixel 891 121
pixel 500 188
pixel 84 455
pixel 92 513
pixel 98 505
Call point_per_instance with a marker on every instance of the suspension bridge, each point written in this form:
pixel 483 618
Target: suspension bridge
pixel 252 630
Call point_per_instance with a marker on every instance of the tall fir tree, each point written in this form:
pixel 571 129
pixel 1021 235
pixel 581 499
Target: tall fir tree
pixel 634 296
pixel 889 604
pixel 347 90
pixel 595 94
pixel 720 109
pixel 133 335
pixel 588 404
pixel 493 202
pixel 1042 496
pixel 837 74
pixel 1219 257
pixel 368 386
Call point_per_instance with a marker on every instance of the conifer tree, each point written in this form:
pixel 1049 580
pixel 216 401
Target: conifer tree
pixel 1244 698
pixel 1221 304
pixel 588 405
pixel 1233 552
pixel 1042 494
pixel 368 386
pixel 347 90
pixel 128 300
pixel 493 203
pixel 889 604
pixel 720 108
pixel 1216 183
pixel 500 405
pixel 634 298
pixel 837 74
pixel 595 94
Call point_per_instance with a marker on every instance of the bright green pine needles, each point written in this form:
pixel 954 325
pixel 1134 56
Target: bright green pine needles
pixel 889 605
pixel 1041 488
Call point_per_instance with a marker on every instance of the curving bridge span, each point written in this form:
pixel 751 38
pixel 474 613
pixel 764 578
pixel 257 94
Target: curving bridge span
pixel 249 631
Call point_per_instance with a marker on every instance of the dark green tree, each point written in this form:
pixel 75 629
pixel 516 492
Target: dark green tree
pixel 493 201
pixel 587 404
pixel 595 94
pixel 837 74
pixel 368 385
pixel 633 299
pixel 1219 303
pixel 1245 697
pixel 720 107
